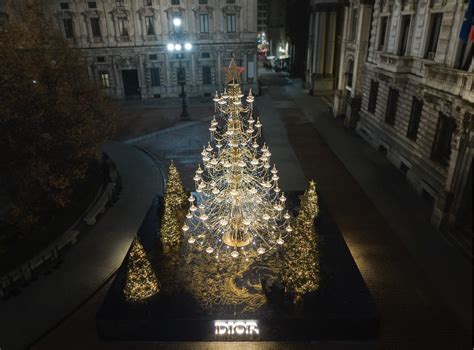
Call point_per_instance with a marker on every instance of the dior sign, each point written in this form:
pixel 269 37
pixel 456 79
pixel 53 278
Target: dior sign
pixel 236 327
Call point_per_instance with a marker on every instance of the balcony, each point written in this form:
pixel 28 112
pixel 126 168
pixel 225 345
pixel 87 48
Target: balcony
pixel 394 63
pixel 450 80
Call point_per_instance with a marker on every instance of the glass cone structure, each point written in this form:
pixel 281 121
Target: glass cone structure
pixel 238 209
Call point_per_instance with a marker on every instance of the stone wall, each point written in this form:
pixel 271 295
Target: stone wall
pixel 143 49
pixel 435 79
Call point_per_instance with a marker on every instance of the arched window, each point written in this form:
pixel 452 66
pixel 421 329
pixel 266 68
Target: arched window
pixel 349 74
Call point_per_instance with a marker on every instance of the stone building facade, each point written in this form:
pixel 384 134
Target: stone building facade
pixel 354 46
pixel 125 43
pixel 418 101
pixel 324 42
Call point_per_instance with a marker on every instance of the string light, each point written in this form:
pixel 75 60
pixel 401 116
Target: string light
pixel 301 259
pixel 141 282
pixel 174 202
pixel 237 188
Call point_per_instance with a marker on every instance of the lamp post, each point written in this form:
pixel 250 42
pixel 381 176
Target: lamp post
pixel 180 46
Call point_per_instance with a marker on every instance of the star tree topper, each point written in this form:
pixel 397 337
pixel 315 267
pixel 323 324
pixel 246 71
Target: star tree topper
pixel 233 72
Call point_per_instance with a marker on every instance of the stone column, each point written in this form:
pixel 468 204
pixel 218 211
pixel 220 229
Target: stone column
pixel 168 73
pixel 219 70
pixel 309 55
pixel 141 75
pixel 330 44
pixel 322 44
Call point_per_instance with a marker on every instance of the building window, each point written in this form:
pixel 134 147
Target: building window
pixel 92 4
pixel 155 76
pixel 355 20
pixel 465 55
pixel 104 79
pixel 231 23
pixel 415 117
pixel 204 23
pixel 181 75
pixel 64 6
pixel 405 31
pixel 374 90
pixel 392 102
pixel 150 25
pixel 95 26
pixel 147 3
pixel 432 43
pixel 120 3
pixel 174 2
pixel 68 28
pixel 206 55
pixel 350 74
pixel 383 33
pixel 100 59
pixel 122 26
pixel 153 57
pixel 202 2
pixel 231 1
pixel 441 150
pixel 206 75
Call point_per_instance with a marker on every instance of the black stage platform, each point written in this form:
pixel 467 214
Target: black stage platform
pixel 202 300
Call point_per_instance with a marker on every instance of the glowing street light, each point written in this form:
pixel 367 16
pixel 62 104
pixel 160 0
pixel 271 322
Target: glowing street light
pixel 177 22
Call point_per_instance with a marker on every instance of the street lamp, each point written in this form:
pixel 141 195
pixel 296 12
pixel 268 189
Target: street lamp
pixel 178 46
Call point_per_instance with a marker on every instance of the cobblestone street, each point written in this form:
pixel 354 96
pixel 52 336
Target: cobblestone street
pixel 419 309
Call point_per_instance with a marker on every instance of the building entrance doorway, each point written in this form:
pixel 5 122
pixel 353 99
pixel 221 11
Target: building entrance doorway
pixel 130 84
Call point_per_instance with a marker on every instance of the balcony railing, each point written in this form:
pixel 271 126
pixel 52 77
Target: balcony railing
pixel 394 63
pixel 450 80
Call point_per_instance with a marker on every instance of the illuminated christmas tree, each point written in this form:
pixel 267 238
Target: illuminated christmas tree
pixel 301 259
pixel 141 282
pixel 175 195
pixel 175 199
pixel 239 208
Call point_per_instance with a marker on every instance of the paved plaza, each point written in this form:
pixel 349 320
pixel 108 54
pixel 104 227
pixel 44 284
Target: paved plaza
pixel 417 279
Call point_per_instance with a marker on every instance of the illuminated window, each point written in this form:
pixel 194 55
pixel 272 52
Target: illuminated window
pixel 231 23
pixel 204 23
pixel 122 26
pixel 104 79
pixel 150 25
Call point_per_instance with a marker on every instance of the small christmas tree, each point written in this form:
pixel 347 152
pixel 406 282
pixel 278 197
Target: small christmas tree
pixel 301 260
pixel 141 282
pixel 175 196
pixel 175 199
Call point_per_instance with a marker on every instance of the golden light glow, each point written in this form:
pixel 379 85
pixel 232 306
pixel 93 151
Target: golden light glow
pixel 141 282
pixel 239 209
